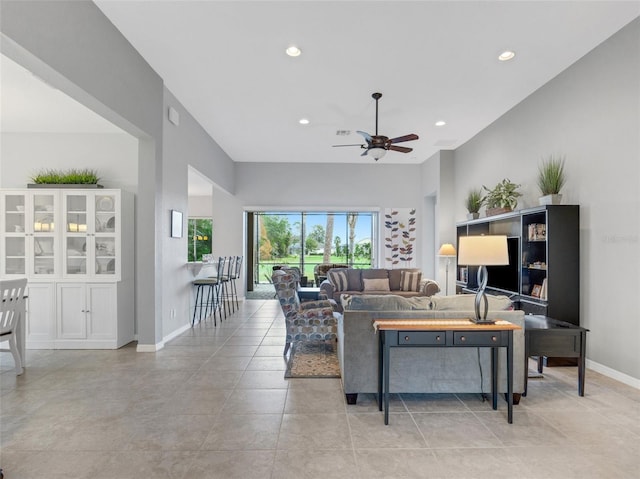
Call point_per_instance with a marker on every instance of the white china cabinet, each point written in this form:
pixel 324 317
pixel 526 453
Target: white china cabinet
pixel 75 246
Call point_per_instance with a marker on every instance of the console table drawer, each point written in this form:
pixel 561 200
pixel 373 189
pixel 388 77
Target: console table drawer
pixel 477 338
pixel 416 338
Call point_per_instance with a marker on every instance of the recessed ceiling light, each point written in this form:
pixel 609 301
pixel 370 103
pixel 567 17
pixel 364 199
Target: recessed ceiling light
pixel 441 123
pixel 293 51
pixel 303 121
pixel 506 55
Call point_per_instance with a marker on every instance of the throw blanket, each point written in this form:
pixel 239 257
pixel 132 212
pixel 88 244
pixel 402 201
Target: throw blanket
pixel 390 302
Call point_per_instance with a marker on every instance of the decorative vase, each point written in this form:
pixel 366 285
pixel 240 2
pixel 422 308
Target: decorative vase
pixel 497 211
pixel 473 216
pixel 550 199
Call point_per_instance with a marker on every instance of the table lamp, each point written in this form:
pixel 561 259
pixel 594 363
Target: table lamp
pixel 447 250
pixel 482 251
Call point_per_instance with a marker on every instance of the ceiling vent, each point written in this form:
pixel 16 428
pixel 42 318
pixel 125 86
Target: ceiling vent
pixel 343 132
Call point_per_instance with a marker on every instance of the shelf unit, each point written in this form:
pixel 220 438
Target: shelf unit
pixel 75 247
pixel 548 270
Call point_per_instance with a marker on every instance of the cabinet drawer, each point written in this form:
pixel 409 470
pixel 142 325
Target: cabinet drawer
pixel 477 338
pixel 414 338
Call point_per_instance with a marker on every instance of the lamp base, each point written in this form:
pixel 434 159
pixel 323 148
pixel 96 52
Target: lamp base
pixel 482 321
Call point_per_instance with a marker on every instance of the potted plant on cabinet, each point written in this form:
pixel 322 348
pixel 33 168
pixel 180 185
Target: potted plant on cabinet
pixel 502 198
pixel 71 178
pixel 551 179
pixel 473 203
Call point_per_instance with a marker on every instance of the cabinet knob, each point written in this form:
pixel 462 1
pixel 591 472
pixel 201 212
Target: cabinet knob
pixel 437 338
pixel 463 338
pixel 494 338
pixel 406 338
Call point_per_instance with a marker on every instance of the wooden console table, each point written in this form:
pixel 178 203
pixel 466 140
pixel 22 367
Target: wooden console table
pixel 444 333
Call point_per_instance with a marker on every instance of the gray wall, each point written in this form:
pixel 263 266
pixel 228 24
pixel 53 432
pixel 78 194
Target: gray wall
pixel 589 113
pixel 187 144
pixel 113 155
pixel 317 186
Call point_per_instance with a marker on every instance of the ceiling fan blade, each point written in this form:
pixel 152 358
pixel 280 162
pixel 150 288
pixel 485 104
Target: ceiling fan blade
pixel 354 144
pixel 401 149
pixel 365 152
pixel 366 135
pixel 400 139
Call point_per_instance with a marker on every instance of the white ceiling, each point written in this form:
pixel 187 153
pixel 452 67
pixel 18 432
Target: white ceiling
pixel 431 60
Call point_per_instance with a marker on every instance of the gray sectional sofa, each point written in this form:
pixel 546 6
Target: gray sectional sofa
pixel 357 284
pixel 423 370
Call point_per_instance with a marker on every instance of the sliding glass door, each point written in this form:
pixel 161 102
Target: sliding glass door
pixel 305 239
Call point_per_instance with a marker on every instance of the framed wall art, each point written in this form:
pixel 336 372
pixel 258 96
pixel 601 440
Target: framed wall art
pixel 176 224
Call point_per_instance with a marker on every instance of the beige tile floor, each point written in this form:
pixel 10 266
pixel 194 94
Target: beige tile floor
pixel 214 404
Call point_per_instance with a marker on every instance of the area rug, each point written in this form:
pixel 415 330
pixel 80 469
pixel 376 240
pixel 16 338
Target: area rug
pixel 313 360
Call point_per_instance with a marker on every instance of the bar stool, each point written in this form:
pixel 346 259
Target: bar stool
pixel 236 274
pixel 226 279
pixel 221 304
pixel 210 285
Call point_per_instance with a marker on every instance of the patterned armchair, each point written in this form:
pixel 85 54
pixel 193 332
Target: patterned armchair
pixel 309 321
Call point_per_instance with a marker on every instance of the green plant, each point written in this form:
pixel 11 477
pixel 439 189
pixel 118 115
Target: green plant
pixel 551 176
pixel 72 176
pixel 474 200
pixel 504 195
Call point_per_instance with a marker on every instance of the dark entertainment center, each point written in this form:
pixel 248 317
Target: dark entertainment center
pixel 543 275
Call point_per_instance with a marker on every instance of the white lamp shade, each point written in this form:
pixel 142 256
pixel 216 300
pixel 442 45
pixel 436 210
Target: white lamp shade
pixel 447 249
pixel 377 153
pixel 488 250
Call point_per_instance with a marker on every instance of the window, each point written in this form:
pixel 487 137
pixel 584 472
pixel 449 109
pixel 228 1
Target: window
pixel 305 239
pixel 199 236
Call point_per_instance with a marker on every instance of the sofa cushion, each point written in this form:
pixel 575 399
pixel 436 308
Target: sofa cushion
pixel 388 302
pixel 410 280
pixel 338 279
pixel 376 284
pixel 466 302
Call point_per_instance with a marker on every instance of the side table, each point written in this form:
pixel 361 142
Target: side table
pixel 544 336
pixel 309 294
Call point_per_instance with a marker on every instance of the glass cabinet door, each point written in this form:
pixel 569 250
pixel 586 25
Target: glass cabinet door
pixel 42 240
pixel 106 228
pixel 76 234
pixel 15 238
pixel 29 233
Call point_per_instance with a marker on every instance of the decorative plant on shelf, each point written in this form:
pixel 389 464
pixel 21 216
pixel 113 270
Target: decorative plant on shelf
pixel 551 179
pixel 503 197
pixel 473 203
pixel 73 176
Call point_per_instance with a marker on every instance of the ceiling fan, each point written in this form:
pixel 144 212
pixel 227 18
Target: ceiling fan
pixel 378 145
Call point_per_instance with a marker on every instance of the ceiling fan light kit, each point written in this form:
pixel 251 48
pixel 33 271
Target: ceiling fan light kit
pixel 377 145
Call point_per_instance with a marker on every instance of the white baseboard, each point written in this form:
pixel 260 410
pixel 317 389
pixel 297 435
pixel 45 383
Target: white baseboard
pixel 613 374
pixel 149 348
pixel 152 348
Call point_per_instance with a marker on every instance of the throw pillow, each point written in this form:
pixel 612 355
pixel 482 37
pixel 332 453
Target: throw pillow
pixel 381 284
pixel 429 287
pixel 338 280
pixel 410 280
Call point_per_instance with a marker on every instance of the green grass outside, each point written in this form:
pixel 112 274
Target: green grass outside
pixel 310 261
